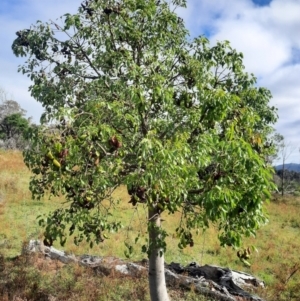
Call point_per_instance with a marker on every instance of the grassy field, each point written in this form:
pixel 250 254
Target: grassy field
pixel 277 260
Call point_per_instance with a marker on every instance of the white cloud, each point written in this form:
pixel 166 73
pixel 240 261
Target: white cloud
pixel 257 45
pixel 285 88
pixel 269 38
pixel 266 35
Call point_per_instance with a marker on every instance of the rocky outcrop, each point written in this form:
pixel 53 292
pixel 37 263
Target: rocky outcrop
pixel 219 283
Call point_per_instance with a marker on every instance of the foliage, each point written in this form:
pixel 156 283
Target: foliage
pixel 291 180
pixel 13 124
pixel 137 103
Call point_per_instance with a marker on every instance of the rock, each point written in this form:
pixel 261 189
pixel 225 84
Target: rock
pixel 131 269
pixel 219 283
pixel 33 246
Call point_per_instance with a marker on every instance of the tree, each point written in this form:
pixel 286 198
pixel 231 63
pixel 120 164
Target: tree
pixel 276 142
pixel 8 107
pixel 134 102
pixel 13 123
pixel 3 95
pixel 282 152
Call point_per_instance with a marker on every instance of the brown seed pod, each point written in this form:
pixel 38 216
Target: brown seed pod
pixel 114 142
pixel 141 193
pixel 63 153
pixel 96 163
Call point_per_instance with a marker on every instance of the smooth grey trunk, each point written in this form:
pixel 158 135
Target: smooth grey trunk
pixel 157 281
pixel 282 177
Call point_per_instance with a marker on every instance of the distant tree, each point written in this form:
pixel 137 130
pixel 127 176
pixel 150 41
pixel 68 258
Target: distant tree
pixel 3 95
pixel 135 103
pixel 9 107
pixel 291 183
pixel 275 142
pixel 283 152
pixel 13 123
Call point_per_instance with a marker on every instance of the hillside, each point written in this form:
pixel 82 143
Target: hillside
pixel 289 166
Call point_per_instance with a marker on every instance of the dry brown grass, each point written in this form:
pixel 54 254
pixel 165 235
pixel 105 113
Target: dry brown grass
pixel 35 278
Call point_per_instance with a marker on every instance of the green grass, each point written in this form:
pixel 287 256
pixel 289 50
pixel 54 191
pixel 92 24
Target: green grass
pixel 278 243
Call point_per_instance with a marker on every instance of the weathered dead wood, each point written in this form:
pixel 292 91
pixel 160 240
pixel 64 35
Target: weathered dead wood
pixel 219 283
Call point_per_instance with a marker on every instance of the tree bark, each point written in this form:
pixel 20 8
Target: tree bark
pixel 282 178
pixel 157 281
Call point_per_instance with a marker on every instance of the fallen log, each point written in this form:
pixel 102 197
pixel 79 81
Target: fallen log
pixel 225 284
pixel 219 283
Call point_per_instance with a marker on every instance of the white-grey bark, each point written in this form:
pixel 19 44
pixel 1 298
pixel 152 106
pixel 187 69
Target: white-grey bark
pixel 157 281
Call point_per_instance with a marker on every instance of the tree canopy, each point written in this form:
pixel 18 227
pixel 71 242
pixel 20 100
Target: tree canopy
pixel 137 102
pixel 13 123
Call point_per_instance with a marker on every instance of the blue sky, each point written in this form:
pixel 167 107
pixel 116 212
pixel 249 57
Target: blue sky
pixel 262 2
pixel 266 31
